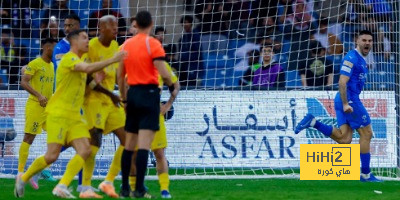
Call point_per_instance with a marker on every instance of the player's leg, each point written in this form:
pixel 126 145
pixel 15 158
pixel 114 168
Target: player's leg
pixel 86 191
pixel 95 115
pixel 365 155
pixel 126 161
pixel 145 138
pixel 132 174
pixel 107 186
pixel 158 147
pixel 40 163
pixel 24 151
pixel 162 172
pixel 78 137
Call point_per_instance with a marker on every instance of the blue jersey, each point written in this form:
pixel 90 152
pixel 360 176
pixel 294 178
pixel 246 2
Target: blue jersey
pixel 60 49
pixel 355 67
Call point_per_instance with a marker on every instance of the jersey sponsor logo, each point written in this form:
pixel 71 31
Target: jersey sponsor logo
pixel 346 69
pixel 59 56
pixel 348 64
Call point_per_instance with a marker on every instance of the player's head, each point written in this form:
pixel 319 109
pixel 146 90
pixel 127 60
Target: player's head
pixel 267 52
pixel 48 46
pixel 187 22
pixel 7 37
pixel 144 21
pixel 107 3
pixel 71 23
pixel 316 48
pixel 108 25
pixel 254 57
pixel 133 28
pixel 323 25
pixel 79 40
pixel 159 33
pixel 364 42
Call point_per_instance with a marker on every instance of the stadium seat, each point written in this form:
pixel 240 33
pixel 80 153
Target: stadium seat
pixel 214 44
pixel 212 60
pixel 293 79
pixel 233 45
pixel 32 45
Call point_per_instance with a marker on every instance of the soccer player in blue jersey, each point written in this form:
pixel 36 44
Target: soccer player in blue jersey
pixel 71 23
pixel 351 113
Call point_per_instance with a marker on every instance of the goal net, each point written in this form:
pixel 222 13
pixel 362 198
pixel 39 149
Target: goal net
pixel 249 71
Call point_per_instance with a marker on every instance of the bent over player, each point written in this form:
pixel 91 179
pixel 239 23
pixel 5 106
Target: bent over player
pixel 351 113
pixel 64 122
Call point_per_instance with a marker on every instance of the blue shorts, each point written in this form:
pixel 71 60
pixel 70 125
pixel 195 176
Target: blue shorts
pixel 357 119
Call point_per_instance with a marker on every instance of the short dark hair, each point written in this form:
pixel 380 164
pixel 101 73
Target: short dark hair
pixel 187 18
pixel 143 19
pixel 170 49
pixel 6 31
pixel 365 32
pixel 74 34
pixel 158 29
pixel 74 17
pixel 316 47
pixel 324 21
pixel 267 45
pixel 48 40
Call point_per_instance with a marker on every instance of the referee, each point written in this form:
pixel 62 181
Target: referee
pixel 145 60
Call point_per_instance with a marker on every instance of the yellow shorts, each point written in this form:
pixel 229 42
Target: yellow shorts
pixel 160 138
pixel 35 117
pixel 63 131
pixel 103 116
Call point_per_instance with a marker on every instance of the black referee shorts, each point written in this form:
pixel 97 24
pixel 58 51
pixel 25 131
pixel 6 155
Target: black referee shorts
pixel 143 108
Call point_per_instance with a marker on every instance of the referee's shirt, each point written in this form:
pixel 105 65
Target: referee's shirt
pixel 142 50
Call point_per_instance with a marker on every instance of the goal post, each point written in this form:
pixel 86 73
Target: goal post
pixel 235 114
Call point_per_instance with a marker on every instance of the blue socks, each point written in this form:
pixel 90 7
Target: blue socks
pixel 365 160
pixel 325 129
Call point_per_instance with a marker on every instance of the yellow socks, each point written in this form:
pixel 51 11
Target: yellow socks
pixel 163 179
pixel 132 182
pixel 88 167
pixel 38 165
pixel 23 156
pixel 73 167
pixel 115 166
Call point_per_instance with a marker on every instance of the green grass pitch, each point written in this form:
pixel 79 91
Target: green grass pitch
pixel 243 189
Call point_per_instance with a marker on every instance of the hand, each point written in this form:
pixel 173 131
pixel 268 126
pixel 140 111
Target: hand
pixel 347 108
pixel 42 100
pixel 116 100
pixel 165 108
pixel 119 56
pixel 99 76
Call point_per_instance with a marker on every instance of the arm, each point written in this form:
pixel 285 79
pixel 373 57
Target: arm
pixel 330 80
pixel 167 106
pixel 121 80
pixel 303 80
pixel 27 86
pixel 97 66
pixel 343 93
pixel 162 70
pixel 95 85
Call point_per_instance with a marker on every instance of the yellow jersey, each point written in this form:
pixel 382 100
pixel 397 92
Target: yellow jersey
pixel 68 98
pixel 42 79
pixel 174 78
pixel 98 52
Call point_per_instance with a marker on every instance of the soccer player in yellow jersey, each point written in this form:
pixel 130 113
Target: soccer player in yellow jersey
pixel 64 122
pixel 101 114
pixel 38 80
pixel 160 143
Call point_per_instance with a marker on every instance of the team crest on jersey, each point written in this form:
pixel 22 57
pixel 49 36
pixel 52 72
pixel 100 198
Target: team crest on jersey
pixel 59 56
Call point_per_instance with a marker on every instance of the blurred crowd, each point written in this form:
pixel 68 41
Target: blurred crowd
pixel 255 43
